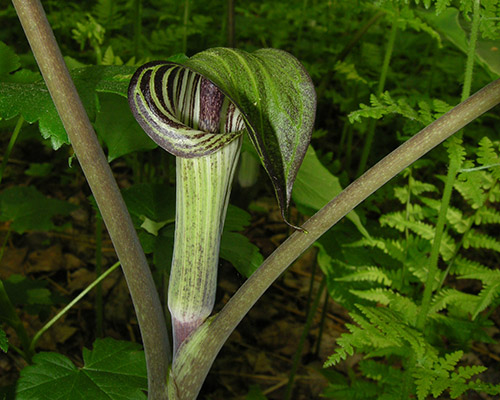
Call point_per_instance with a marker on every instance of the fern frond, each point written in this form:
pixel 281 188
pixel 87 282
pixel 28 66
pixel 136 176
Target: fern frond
pixel 377 295
pixel 488 295
pixel 488 157
pixel 401 304
pixel 379 331
pixel 398 221
pixel 466 268
pixel 419 187
pixel 456 150
pixel 109 13
pixel 445 297
pixel 487 215
pixel 392 247
pixel 442 374
pixel 349 71
pixel 395 330
pixel 368 273
pixel 454 216
pixel 478 240
pixel 383 105
pixel 469 184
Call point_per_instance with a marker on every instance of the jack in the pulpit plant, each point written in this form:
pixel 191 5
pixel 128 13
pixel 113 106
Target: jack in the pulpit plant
pixel 198 111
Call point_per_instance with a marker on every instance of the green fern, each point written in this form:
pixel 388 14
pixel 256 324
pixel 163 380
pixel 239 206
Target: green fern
pixel 109 13
pixel 436 376
pixel 392 282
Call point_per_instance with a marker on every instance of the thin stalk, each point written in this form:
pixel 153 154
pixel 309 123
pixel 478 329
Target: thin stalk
pixel 381 84
pixel 471 50
pixel 358 35
pixel 305 331
pixel 49 324
pixel 454 167
pixel 103 185
pixel 202 196
pixel 197 354
pixel 10 146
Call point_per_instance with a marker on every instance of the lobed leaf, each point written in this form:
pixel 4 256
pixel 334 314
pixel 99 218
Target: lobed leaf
pixel 113 370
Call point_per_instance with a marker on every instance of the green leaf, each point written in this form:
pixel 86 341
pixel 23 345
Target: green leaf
pixel 32 99
pixel 32 295
pixel 240 252
pixel 4 343
pixel 448 23
pixel 9 60
pixel 255 393
pixel 315 186
pixel 272 92
pixel 153 201
pixel 113 370
pixel 277 98
pixel 236 219
pixel 28 209
pixel 235 247
pixel 39 169
pixel 118 129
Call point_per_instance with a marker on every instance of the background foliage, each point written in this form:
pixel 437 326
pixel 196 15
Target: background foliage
pixel 383 70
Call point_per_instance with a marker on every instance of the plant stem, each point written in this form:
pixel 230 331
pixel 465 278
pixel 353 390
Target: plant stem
pixel 203 187
pixel 103 185
pixel 381 84
pixel 10 146
pixel 454 166
pixel 188 373
pixel 48 325
pixel 358 35
pixel 471 51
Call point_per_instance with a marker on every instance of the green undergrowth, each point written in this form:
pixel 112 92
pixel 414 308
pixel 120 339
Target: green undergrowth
pixel 380 280
pixel 399 344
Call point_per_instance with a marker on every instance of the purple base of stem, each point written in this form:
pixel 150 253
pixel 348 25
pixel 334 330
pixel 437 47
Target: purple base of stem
pixel 181 330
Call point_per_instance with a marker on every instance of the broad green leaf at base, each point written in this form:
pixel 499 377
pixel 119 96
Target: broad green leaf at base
pixel 113 370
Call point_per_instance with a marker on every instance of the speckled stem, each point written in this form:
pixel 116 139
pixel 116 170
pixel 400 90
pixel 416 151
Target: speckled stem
pixel 203 188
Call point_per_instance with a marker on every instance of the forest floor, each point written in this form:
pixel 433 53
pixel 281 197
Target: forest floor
pixel 258 353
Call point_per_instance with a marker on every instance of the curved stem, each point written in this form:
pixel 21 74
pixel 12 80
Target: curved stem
pixel 47 326
pixel 188 373
pixel 103 185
